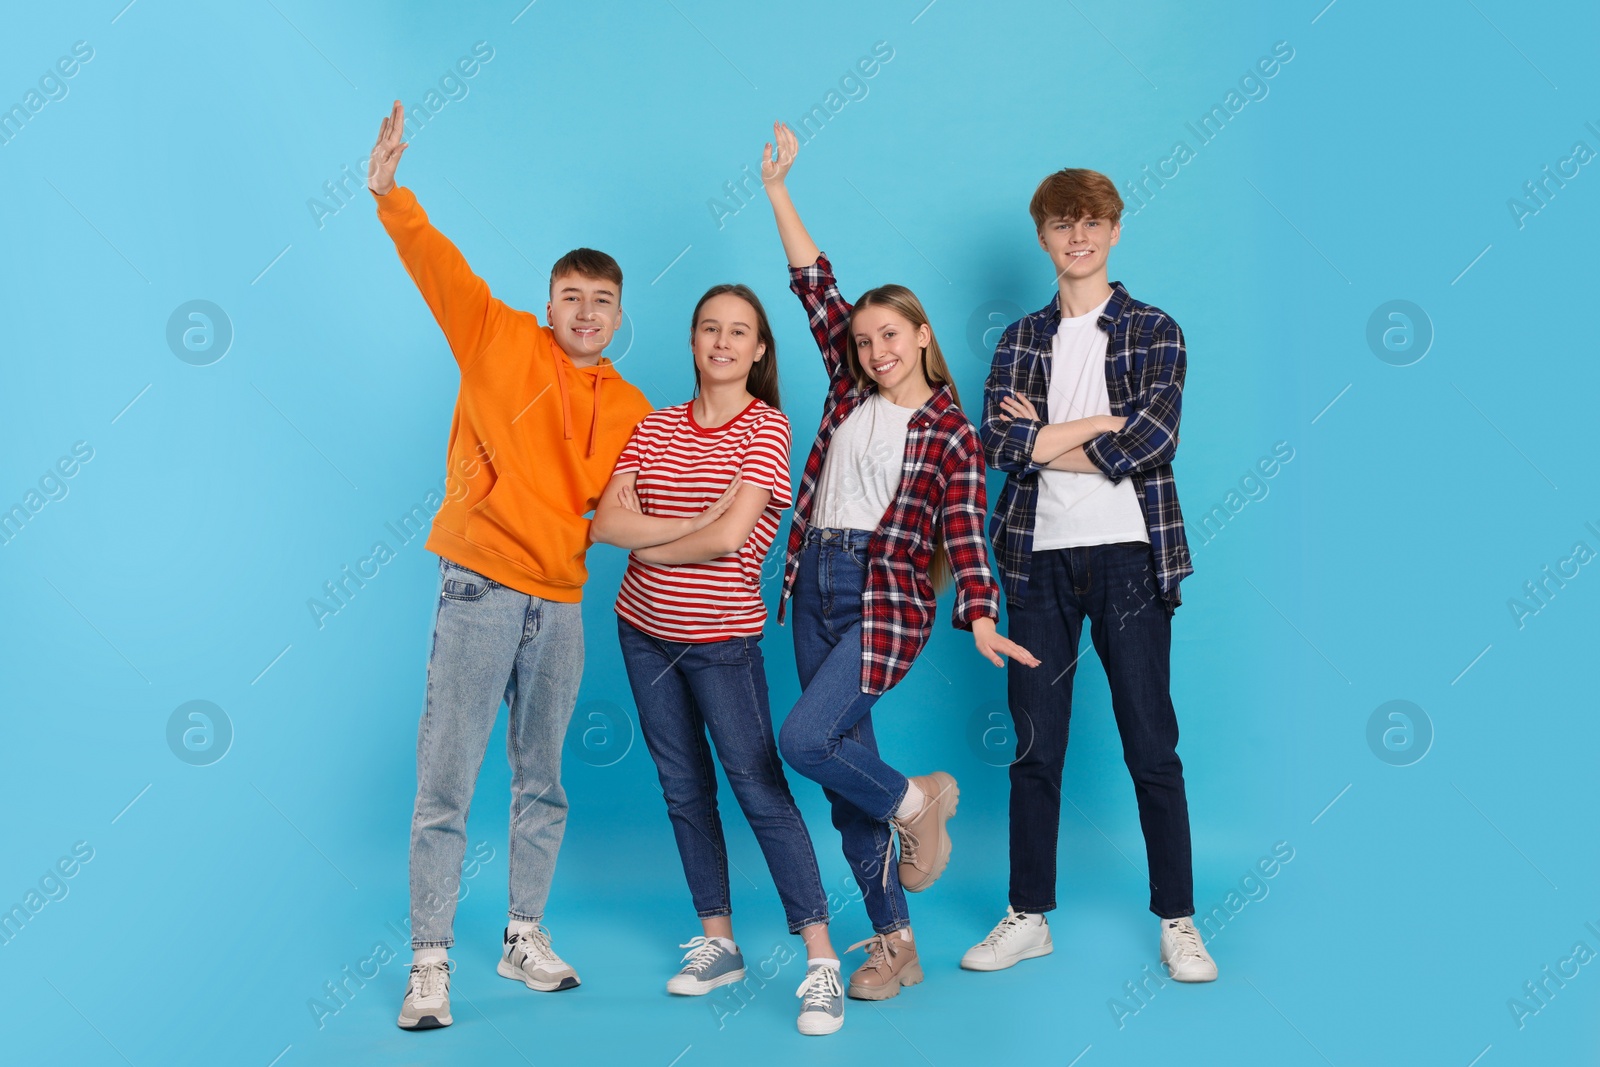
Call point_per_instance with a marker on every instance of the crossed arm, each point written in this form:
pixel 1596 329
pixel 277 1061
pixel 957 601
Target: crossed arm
pixel 720 530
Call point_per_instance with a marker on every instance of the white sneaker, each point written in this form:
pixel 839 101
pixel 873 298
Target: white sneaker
pixel 1181 950
pixel 528 957
pixel 1019 936
pixel 427 1003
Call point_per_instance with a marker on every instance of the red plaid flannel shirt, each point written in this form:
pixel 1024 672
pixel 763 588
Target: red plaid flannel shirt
pixel 941 494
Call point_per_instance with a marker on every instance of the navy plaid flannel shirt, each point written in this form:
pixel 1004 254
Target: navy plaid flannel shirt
pixel 941 485
pixel 1145 366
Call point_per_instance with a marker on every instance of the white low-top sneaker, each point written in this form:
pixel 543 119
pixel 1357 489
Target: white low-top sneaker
pixel 528 957
pixel 1020 935
pixel 427 1003
pixel 1183 953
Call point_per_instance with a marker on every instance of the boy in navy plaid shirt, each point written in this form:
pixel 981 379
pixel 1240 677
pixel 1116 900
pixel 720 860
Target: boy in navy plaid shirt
pixel 1081 412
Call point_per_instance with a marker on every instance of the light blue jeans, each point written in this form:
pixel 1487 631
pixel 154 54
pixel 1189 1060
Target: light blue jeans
pixel 491 643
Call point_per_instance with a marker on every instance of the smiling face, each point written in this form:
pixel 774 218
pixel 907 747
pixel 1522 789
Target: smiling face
pixel 1078 248
pixel 726 340
pixel 584 314
pixel 888 347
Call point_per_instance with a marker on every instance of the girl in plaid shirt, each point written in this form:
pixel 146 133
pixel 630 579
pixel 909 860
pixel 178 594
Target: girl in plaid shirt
pixel 891 501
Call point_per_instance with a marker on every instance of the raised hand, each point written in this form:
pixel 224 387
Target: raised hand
pixel 775 165
pixel 715 509
pixel 386 153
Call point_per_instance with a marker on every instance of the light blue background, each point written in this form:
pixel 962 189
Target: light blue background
pixel 1377 567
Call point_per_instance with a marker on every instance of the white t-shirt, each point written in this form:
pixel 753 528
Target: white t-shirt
pixel 861 473
pixel 1075 509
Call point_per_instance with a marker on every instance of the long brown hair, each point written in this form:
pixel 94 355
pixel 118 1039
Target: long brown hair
pixel 763 381
pixel 903 302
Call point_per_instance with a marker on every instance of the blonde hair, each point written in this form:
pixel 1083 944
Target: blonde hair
pixel 903 302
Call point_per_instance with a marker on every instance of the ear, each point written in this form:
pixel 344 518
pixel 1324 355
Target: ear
pixel 924 336
pixel 1040 235
pixel 1116 232
pixel 761 350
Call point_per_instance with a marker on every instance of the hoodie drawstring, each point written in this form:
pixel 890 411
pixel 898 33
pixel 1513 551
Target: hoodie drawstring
pixel 566 403
pixel 594 422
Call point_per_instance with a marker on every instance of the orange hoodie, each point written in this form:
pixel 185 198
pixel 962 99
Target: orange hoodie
pixel 530 446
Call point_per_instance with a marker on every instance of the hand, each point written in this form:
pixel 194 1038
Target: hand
pixel 1111 423
pixel 386 153
pixel 1017 406
pixel 628 500
pixel 775 167
pixel 713 512
pixel 992 645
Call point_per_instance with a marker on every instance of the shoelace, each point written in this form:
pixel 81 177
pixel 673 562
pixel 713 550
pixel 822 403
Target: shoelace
pixel 703 952
pixel 535 945
pixel 430 976
pixel 820 987
pixel 1004 929
pixel 908 848
pixel 1188 940
pixel 880 950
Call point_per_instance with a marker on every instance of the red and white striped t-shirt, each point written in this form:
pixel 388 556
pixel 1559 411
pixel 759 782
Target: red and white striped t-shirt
pixel 682 467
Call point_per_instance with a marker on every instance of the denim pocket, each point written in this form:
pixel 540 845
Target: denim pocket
pixel 463 584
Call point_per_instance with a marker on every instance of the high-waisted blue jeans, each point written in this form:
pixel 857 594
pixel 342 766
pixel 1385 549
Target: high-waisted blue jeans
pixel 828 735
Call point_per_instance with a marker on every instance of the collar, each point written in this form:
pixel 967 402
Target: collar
pixel 1048 318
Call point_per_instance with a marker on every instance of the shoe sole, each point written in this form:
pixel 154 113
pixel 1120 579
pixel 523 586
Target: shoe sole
pixel 505 970
pixel 702 988
pixel 911 975
pixel 426 1022
pixel 820 1030
pixel 1033 953
pixel 950 798
pixel 1174 975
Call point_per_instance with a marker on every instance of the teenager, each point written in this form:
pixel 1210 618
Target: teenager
pixel 893 494
pixel 1081 411
pixel 540 418
pixel 690 616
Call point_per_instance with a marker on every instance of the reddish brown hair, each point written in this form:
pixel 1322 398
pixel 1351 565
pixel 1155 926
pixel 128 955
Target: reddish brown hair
pixel 1074 194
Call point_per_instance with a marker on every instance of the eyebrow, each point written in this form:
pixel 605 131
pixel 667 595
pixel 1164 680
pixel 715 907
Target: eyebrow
pixel 576 289
pixel 707 318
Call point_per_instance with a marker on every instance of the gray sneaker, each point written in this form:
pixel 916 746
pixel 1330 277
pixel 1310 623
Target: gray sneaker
pixel 821 1001
pixel 707 965
pixel 529 959
pixel 427 1003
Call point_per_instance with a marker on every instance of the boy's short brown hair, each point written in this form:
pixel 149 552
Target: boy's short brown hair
pixel 590 264
pixel 1075 193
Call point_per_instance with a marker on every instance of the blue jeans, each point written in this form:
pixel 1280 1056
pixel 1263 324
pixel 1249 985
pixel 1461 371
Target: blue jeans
pixel 828 736
pixel 683 690
pixel 1115 587
pixel 491 643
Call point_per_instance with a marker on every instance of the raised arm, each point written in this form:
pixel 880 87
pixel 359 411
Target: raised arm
pixel 810 274
pixel 459 299
pixel 775 163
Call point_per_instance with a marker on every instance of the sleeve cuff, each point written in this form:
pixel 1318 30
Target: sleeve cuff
pixel 1092 449
pixel 818 275
pixel 396 201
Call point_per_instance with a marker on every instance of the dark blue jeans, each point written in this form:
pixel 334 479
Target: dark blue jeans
pixel 828 735
pixel 1115 587
pixel 683 690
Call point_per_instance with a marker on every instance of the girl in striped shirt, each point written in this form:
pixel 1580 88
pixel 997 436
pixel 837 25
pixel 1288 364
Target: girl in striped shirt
pixel 891 503
pixel 696 495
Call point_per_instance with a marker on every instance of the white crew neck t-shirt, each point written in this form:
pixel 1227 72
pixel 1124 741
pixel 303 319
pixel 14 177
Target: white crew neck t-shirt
pixel 1075 509
pixel 861 473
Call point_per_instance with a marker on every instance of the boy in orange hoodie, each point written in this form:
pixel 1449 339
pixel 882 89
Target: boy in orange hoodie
pixel 540 420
